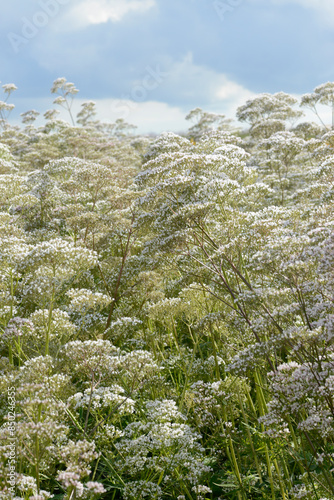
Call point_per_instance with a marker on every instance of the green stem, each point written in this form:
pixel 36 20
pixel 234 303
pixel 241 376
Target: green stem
pixel 257 464
pixel 262 411
pixel 233 461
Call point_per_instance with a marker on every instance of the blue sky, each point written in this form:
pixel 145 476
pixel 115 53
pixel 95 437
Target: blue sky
pixel 151 61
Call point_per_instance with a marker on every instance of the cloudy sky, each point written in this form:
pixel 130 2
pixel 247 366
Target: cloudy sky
pixel 152 61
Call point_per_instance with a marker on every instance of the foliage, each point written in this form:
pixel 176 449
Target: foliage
pixel 166 306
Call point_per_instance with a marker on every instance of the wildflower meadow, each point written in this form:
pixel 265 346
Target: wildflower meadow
pixel 167 304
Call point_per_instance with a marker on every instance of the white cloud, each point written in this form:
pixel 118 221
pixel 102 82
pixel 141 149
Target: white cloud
pixel 202 84
pixel 147 103
pixel 232 94
pixel 87 12
pixel 185 82
pixel 149 116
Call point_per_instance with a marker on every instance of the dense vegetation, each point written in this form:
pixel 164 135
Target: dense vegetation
pixel 167 315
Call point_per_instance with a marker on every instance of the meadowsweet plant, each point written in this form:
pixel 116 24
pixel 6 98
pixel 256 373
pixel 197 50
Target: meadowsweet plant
pixel 5 107
pixel 166 305
pixel 66 92
pixel 323 94
pixel 205 122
